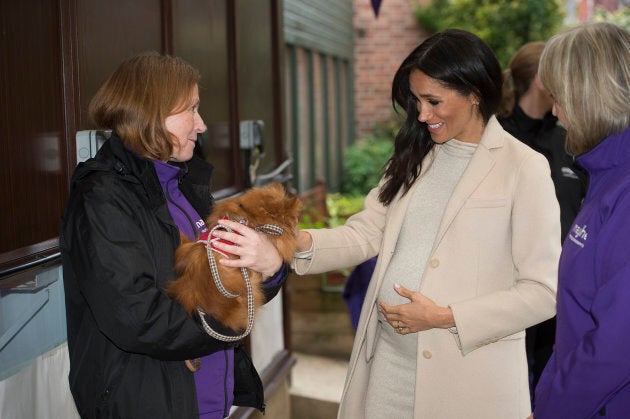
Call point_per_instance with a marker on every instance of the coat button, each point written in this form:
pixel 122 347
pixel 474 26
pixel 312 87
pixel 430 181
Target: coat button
pixel 434 263
pixel 427 354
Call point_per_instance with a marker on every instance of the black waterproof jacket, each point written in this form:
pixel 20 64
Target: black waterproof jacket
pixel 127 339
pixel 547 137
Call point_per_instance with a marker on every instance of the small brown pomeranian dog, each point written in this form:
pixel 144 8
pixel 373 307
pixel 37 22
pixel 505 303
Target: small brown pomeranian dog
pixel 267 209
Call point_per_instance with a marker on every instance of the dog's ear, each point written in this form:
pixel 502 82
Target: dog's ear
pixel 294 204
pixel 276 187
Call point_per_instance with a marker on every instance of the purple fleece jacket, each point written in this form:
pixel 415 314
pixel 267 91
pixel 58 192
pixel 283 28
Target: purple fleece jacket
pixel 588 374
pixel 214 382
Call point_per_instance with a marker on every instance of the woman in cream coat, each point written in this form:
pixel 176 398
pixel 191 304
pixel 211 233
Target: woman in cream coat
pixel 466 226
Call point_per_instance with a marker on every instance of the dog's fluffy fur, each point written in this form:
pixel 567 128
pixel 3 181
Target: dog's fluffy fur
pixel 195 287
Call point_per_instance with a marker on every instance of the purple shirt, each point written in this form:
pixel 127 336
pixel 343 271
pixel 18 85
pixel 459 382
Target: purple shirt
pixel 214 381
pixel 186 218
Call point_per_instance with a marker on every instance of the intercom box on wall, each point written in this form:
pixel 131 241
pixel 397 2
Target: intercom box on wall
pixel 89 141
pixel 251 134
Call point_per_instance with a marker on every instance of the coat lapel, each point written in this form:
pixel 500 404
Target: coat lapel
pixel 480 165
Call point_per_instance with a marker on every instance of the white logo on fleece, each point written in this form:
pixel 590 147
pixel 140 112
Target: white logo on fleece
pixel 567 172
pixel 578 235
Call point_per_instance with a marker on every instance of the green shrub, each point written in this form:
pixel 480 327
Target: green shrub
pixel 340 207
pixel 308 221
pixel 504 24
pixel 365 160
pixel 620 17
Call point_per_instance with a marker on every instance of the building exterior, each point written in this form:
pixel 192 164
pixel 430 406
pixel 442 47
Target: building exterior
pixel 381 43
pixel 53 57
pixel 583 10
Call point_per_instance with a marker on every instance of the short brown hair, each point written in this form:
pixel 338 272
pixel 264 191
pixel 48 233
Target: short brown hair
pixel 136 99
pixel 587 70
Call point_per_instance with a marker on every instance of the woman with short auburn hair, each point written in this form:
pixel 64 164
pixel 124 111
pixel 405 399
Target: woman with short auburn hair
pixel 135 352
pixel 123 105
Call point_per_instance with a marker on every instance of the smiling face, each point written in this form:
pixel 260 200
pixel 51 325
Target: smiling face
pixel 446 112
pixel 184 126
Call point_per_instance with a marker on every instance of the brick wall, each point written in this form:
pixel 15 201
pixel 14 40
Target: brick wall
pixel 381 43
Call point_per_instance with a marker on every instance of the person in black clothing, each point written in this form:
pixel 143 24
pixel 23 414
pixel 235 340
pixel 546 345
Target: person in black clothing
pixel 526 114
pixel 128 340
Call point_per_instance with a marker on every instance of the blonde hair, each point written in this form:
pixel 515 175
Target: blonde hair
pixel 138 97
pixel 587 71
pixel 518 77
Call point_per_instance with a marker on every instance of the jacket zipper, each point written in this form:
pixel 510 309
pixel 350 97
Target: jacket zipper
pixel 169 199
pixel 225 389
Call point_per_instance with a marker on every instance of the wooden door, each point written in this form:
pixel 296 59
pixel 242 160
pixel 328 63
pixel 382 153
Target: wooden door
pixel 55 54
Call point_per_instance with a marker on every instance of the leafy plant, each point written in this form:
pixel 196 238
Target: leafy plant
pixel 620 17
pixel 365 160
pixel 341 207
pixel 338 206
pixel 504 24
pixel 308 221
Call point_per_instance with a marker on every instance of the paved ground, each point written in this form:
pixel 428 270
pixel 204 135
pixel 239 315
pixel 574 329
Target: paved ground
pixel 318 377
pixel 321 340
pixel 320 322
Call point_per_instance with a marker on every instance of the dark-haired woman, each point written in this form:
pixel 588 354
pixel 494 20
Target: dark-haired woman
pixel 466 224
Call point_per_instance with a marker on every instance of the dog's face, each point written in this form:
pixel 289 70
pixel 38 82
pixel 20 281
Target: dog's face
pixel 260 206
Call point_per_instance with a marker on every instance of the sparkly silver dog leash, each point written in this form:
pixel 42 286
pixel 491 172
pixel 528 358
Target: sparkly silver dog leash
pixel 269 229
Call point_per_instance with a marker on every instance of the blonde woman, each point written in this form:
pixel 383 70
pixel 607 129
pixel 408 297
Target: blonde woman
pixel 587 71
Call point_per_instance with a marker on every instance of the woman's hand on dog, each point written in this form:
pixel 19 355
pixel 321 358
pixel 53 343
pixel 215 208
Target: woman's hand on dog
pixel 254 250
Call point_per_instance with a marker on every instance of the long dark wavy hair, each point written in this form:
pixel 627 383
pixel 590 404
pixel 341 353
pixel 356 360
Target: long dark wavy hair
pixel 459 60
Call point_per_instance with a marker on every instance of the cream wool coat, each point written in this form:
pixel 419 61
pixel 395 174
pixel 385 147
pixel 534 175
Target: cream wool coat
pixel 494 262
